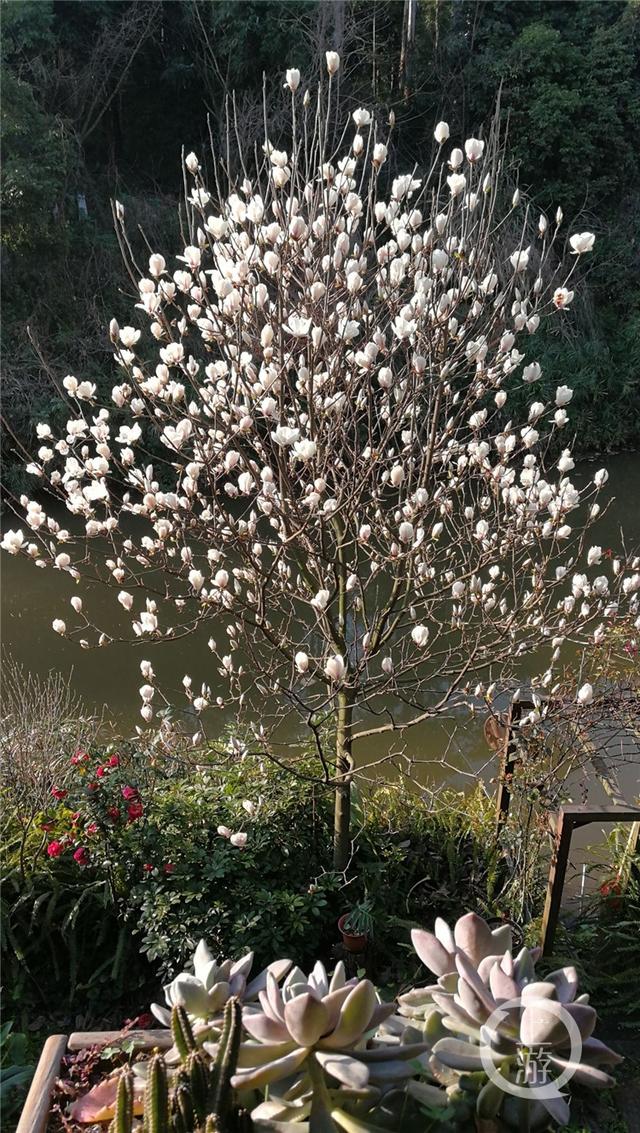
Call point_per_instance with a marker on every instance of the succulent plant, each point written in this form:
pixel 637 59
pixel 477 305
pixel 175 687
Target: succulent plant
pixel 204 992
pixel 316 1034
pixel 201 1097
pixel 499 1011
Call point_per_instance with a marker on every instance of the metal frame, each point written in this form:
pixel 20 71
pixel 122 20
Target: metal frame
pixel 569 818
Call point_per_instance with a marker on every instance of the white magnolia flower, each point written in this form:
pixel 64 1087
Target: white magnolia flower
pixel 298 326
pixel 129 336
pixel 333 62
pixel 474 149
pixel 441 132
pixel 301 660
pixel 562 297
pixel 321 600
pixel 532 372
pixel 292 79
pixel 305 449
pixel 581 242
pixel 147 693
pixel 361 117
pixel 157 264
pixel 125 599
pixel 456 158
pixel 284 436
pixel 601 478
pixel 224 831
pixel 379 154
pixel 59 626
pixel 585 694
pixel 405 532
pixel 420 636
pixel 238 840
pixel 594 555
pixel 192 163
pixel 456 183
pixel 566 462
pixel 520 259
pixel 563 395
pixel 335 668
pixel 12 541
pixel 221 579
pixel 76 603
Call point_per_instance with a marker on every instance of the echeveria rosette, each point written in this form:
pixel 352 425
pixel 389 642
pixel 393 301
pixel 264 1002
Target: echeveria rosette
pixel 204 993
pixel 477 977
pixel 316 1033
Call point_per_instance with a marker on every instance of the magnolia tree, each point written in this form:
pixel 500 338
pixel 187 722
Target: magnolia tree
pixel 312 456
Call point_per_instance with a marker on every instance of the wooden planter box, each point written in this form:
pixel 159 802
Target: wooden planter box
pixel 35 1113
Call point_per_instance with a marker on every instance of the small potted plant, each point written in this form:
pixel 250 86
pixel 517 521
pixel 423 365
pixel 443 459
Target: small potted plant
pixel 356 926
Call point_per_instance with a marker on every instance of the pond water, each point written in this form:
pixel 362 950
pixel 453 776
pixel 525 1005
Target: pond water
pixel 453 751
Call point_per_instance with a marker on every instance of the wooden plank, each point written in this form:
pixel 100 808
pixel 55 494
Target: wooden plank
pixel 508 760
pixel 555 884
pixel 142 1040
pixel 35 1113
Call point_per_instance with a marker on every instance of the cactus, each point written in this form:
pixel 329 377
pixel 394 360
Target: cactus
pixel 156 1099
pixel 123 1118
pixel 182 1033
pixel 219 1100
pixel 202 1098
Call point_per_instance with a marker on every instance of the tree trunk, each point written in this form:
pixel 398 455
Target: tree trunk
pixel 344 764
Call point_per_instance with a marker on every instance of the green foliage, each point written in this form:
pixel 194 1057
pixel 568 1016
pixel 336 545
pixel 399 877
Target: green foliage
pixel 123 875
pixel 15 1070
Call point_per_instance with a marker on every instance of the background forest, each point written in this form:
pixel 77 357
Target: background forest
pixel 100 96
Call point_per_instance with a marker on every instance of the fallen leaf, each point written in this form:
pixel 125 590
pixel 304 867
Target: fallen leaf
pixel 99 1104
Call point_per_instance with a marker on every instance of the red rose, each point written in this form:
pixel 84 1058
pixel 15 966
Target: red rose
pixel 114 761
pixel 130 793
pixel 75 816
pixel 168 867
pixel 100 772
pixel 81 855
pixel 54 849
pixel 92 828
pixel 81 756
pixel 92 786
pixel 147 867
pixel 134 810
pixel 113 812
pixel 58 793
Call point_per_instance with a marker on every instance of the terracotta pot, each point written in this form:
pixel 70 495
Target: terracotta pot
pixel 352 943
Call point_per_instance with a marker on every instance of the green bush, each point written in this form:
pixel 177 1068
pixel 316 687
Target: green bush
pixel 111 889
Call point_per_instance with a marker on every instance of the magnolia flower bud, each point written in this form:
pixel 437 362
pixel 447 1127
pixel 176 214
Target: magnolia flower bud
pixel 301 662
pixel 335 668
pixel 441 132
pixel 585 694
pixel 333 62
pixel 59 626
pixel 192 163
pixel 420 636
